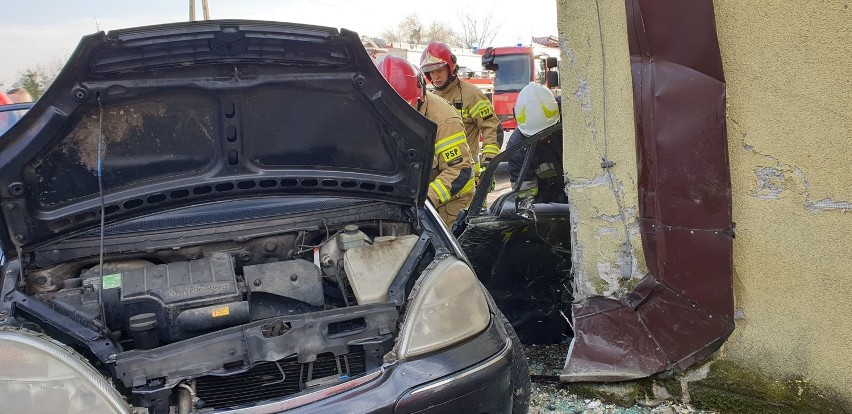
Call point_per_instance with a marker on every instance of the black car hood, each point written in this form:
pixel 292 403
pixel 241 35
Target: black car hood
pixel 205 111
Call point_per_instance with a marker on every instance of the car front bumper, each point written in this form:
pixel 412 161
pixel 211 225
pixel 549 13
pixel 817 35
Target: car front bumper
pixel 473 377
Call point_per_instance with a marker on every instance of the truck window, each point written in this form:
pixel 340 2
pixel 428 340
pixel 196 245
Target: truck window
pixel 513 73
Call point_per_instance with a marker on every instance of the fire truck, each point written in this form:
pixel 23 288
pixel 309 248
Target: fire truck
pixel 516 66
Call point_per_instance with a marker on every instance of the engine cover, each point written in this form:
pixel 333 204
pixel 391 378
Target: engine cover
pixel 178 285
pixel 167 302
pixel 187 297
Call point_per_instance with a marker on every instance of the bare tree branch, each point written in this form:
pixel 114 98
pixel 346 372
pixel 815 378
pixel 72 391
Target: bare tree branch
pixel 412 30
pixel 442 32
pixel 391 34
pixel 477 29
pixel 413 27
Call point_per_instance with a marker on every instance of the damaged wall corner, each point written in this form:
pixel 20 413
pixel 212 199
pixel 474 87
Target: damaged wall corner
pixel 681 310
pixel 787 142
pixel 597 114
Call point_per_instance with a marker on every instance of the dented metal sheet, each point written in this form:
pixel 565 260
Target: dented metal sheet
pixel 683 310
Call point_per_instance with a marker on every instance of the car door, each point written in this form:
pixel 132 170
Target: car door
pixel 522 252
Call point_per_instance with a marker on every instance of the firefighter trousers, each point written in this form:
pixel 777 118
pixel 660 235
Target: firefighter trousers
pixel 450 210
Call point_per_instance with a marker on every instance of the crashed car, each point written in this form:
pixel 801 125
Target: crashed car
pixel 520 249
pixel 231 217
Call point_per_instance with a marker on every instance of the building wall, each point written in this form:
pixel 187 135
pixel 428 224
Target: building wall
pixel 790 138
pixel 598 122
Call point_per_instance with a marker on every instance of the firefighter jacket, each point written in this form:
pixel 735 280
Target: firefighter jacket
pixel 478 116
pixel 451 178
pixel 543 180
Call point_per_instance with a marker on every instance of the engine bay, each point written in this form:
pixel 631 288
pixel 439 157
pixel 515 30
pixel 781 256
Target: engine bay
pixel 187 327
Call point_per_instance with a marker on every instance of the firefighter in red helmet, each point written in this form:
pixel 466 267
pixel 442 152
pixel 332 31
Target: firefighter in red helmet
pixel 7 118
pixel 452 180
pixel 439 64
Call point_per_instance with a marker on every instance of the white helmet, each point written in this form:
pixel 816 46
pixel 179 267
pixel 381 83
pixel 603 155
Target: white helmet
pixel 535 109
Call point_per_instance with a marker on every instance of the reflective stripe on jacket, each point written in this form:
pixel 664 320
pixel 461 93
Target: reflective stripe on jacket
pixel 452 173
pixel 478 116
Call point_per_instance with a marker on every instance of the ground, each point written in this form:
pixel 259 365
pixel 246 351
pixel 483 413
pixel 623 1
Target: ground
pixel 501 177
pixel 551 397
pixel 556 399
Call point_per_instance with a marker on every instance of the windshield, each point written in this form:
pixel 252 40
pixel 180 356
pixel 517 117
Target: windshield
pixel 513 72
pixel 9 114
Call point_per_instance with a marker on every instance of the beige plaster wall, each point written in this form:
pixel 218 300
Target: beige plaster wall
pixel 787 66
pixel 597 113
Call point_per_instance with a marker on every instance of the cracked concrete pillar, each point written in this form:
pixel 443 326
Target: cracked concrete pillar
pixel 597 113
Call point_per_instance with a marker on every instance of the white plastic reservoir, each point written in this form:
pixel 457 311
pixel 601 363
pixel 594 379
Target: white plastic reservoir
pixel 371 268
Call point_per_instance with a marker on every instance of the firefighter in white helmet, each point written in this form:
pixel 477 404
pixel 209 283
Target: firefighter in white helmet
pixel 439 64
pixel 452 182
pixel 535 110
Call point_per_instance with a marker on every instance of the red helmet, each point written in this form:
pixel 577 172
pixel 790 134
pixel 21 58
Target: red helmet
pixel 404 77
pixel 435 55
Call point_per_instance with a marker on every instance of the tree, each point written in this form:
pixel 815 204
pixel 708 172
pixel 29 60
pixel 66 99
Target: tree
pixel 35 79
pixel 477 29
pixel 408 30
pixel 412 30
pixel 391 35
pixel 442 32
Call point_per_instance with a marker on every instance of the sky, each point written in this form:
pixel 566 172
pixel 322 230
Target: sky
pixel 44 31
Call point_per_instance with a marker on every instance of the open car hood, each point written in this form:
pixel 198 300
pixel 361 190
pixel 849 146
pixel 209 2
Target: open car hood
pixel 206 111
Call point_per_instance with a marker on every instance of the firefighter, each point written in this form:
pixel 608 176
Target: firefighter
pixel 451 179
pixel 18 95
pixel 535 110
pixel 439 64
pixel 7 118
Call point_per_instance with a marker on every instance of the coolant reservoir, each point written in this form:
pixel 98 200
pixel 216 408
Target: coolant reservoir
pixel 371 268
pixel 351 237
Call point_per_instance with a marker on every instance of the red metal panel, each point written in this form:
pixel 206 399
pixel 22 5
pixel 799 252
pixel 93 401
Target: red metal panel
pixel 614 345
pixel 678 325
pixel 692 179
pixel 697 264
pixel 683 310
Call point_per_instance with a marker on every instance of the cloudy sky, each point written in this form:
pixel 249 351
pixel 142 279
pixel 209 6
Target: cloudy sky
pixel 40 31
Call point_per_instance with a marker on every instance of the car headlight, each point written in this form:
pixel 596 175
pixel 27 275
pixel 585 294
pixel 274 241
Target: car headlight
pixel 447 308
pixel 40 376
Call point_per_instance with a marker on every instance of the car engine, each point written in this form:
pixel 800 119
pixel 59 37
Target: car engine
pixel 310 306
pixel 166 303
pixel 157 304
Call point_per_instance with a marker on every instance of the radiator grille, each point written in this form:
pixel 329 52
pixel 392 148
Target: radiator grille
pixel 264 381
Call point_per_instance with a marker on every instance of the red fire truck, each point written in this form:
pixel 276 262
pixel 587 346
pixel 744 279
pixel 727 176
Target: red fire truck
pixel 514 68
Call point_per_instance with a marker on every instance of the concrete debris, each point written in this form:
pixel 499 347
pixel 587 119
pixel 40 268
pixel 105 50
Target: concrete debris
pixel 554 399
